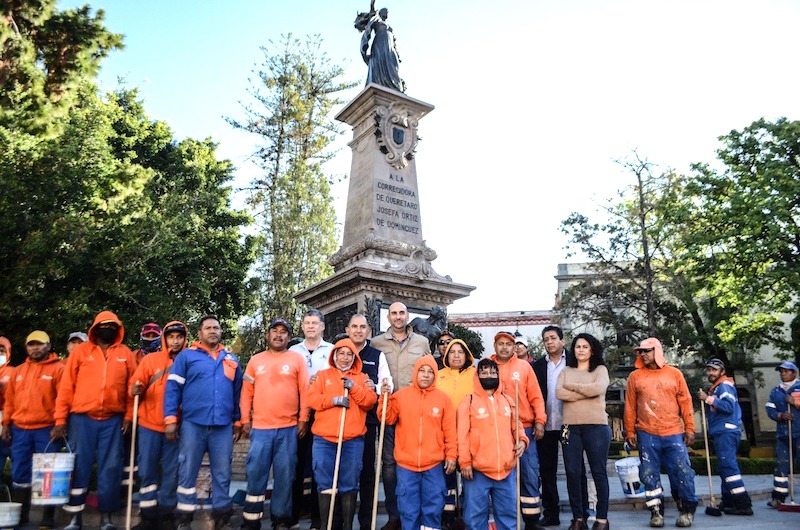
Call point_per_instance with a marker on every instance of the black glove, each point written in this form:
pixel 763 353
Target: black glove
pixel 348 383
pixel 341 401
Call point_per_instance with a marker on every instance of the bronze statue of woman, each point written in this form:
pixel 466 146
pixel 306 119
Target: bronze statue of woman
pixel 379 49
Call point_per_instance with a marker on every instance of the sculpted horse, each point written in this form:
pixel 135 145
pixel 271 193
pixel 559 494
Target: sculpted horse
pixel 432 326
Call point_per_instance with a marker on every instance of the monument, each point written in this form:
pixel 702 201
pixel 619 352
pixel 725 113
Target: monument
pixel 383 257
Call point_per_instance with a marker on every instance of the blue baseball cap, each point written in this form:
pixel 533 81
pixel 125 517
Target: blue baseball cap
pixel 786 365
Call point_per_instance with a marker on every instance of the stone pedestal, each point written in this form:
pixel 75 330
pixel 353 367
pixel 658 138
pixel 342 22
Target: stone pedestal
pixel 383 257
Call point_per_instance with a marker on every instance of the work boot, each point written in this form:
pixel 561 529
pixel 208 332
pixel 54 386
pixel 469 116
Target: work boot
pixel 148 519
pixel 324 509
pixel 775 502
pixel 48 517
pixel 166 521
pixel 222 519
pixel 348 509
pixel 184 521
pixel 684 520
pixel 22 496
pixel 105 522
pixel 75 522
pixel 741 505
pixel 391 524
pixel 532 522
pixel 656 517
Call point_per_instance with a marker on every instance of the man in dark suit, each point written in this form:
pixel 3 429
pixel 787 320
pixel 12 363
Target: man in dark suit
pixel 547 369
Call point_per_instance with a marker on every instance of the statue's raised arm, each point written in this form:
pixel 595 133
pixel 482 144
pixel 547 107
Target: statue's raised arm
pixel 379 49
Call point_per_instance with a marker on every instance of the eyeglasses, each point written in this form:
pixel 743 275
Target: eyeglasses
pixel 644 350
pixel 444 342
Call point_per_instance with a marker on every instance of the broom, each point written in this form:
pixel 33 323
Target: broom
pixel 791 507
pixel 712 509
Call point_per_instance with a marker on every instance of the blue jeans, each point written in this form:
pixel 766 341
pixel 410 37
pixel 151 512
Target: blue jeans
pixel 157 457
pixel 324 460
pixel 103 439
pixel 389 473
pixel 276 449
pixel 195 440
pixel 27 442
pixel 671 451
pixel 479 491
pixel 594 440
pixel 529 479
pixel 420 497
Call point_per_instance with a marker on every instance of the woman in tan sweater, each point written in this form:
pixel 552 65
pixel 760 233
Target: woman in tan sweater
pixel 582 387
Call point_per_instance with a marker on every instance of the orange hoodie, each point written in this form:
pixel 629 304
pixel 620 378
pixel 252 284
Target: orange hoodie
pixel 153 372
pixel 6 371
pixel 328 385
pixel 657 401
pixel 531 402
pixel 31 395
pixel 426 422
pixel 486 434
pixel 96 383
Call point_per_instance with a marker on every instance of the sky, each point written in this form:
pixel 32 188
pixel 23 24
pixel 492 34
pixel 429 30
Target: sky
pixel 535 100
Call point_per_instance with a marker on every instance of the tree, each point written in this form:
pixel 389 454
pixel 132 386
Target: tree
pixel 745 236
pixel 100 207
pixel 45 57
pixel 114 213
pixel 292 99
pixel 637 286
pixel 472 338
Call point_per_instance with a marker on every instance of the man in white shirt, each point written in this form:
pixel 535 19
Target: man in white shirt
pixel 315 351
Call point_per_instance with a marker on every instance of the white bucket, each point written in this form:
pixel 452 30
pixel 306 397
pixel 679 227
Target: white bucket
pixel 628 473
pixel 9 511
pixel 52 473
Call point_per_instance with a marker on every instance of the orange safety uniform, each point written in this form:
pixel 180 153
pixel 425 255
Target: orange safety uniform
pixel 6 371
pixel 658 402
pixel 274 390
pixel 31 394
pixel 454 382
pixel 153 372
pixel 425 435
pixel 328 385
pixel 531 402
pixel 486 436
pixel 96 383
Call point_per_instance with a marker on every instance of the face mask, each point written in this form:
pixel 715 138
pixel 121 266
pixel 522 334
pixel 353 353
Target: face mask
pixel 3 360
pixel 490 383
pixel 107 335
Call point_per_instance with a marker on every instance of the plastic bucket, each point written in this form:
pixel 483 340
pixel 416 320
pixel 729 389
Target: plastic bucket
pixel 52 473
pixel 628 473
pixel 9 511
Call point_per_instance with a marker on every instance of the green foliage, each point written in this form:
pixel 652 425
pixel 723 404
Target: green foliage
pixel 46 56
pixel 674 260
pixel 746 221
pixel 292 97
pixel 472 338
pixel 113 213
pixel 748 466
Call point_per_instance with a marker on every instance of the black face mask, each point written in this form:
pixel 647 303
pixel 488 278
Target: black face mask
pixel 107 335
pixel 489 383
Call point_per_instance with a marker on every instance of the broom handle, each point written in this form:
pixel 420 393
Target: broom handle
pixel 133 456
pixel 516 439
pixel 380 461
pixel 791 463
pixel 708 456
pixel 336 466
